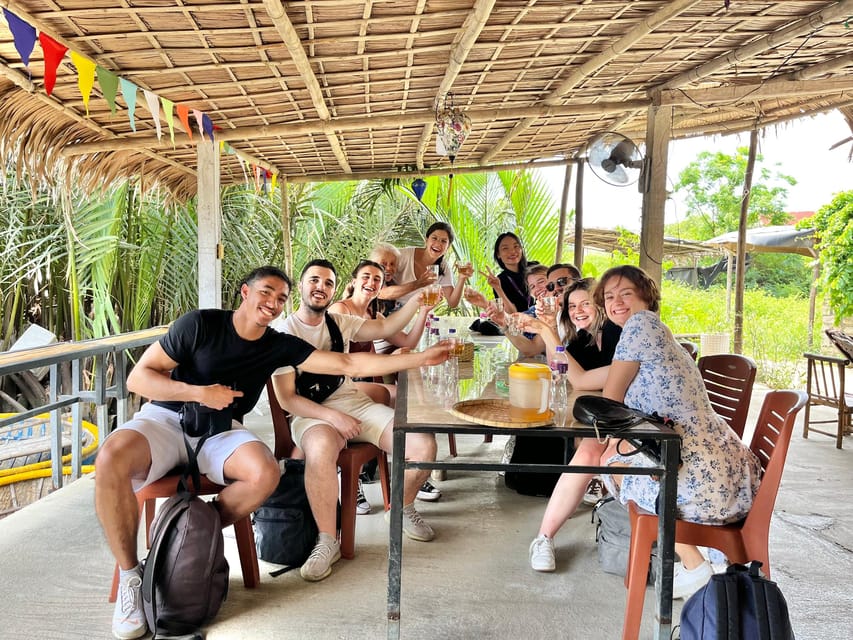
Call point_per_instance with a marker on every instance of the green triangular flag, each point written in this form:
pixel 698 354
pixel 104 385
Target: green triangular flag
pixel 109 86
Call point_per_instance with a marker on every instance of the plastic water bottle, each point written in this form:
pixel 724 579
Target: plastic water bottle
pixel 559 390
pixel 560 362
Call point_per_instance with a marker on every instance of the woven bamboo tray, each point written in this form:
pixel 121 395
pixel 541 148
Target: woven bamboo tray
pixel 494 413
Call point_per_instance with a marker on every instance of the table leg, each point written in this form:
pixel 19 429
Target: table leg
pixel 670 453
pixel 395 545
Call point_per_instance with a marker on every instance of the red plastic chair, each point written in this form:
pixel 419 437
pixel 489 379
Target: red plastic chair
pixel 742 541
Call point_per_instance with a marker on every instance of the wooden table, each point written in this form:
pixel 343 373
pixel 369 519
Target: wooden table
pixel 418 412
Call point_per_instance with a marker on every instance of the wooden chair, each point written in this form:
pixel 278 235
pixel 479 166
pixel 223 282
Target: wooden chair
pixel 166 487
pixel 742 541
pixel 825 384
pixel 728 380
pixel 350 461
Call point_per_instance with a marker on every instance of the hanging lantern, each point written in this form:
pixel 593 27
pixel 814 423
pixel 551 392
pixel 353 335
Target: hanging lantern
pixel 418 188
pixel 452 127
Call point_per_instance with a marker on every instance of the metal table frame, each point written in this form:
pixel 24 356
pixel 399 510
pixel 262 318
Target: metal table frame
pixel 670 443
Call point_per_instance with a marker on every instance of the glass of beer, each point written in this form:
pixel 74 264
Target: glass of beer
pixel 432 294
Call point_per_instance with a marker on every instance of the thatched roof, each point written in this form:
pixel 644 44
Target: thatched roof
pixel 327 89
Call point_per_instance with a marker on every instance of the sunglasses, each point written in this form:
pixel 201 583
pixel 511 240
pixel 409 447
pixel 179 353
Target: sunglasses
pixel 561 282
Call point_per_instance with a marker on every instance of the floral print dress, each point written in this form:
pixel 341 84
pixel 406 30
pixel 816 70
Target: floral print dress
pixel 719 475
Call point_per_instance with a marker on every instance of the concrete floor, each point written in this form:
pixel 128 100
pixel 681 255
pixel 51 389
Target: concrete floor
pixel 473 581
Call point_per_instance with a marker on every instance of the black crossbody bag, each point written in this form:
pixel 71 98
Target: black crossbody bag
pixel 611 419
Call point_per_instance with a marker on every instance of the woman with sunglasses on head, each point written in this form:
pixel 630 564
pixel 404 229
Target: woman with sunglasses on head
pixel 652 372
pixel 413 268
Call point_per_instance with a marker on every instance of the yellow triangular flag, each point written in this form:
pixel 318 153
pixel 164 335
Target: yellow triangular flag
pixel 274 181
pixel 85 76
pixel 168 113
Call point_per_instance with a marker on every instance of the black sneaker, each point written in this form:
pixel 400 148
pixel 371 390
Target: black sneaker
pixel 428 492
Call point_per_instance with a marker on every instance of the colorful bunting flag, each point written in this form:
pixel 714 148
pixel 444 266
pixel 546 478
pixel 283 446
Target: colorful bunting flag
pixel 274 181
pixel 168 112
pixel 184 116
pixel 154 107
pixel 53 53
pixel 207 125
pixel 23 34
pixel 199 121
pixel 128 92
pixel 85 76
pixel 109 86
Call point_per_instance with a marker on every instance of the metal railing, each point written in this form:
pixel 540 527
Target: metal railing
pixel 52 356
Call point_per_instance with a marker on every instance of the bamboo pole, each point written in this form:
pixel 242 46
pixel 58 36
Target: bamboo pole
pixel 740 273
pixel 354 123
pixel 810 23
pixel 291 39
pixel 734 94
pixel 462 45
pixel 637 33
pixel 579 217
pixel 564 205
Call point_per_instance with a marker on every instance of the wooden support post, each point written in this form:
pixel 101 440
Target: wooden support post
pixel 658 129
pixel 210 251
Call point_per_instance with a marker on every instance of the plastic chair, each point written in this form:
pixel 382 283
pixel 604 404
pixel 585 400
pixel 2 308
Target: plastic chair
pixel 350 461
pixel 166 487
pixel 728 380
pixel 742 541
pixel 825 386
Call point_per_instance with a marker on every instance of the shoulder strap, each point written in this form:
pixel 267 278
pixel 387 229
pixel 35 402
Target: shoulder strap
pixel 728 610
pixel 334 334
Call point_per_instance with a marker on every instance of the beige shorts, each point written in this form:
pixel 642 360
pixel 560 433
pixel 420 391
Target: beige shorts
pixel 162 428
pixel 375 417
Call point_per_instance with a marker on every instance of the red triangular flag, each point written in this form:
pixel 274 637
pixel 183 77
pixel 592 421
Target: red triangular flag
pixel 53 52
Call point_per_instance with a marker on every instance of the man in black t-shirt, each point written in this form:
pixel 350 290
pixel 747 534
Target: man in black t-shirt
pixel 220 359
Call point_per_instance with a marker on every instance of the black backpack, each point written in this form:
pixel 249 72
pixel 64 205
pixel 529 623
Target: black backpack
pixel 739 604
pixel 285 531
pixel 537 450
pixel 185 576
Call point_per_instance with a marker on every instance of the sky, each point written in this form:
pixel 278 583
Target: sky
pixel 801 147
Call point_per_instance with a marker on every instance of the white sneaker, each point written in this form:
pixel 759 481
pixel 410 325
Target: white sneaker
pixel 362 506
pixel 326 552
pixel 686 582
pixel 428 492
pixel 128 616
pixel 542 554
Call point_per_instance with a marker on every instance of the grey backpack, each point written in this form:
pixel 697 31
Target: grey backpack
pixel 185 576
pixel 613 536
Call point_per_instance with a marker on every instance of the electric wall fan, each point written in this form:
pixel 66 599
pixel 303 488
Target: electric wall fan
pixel 614 158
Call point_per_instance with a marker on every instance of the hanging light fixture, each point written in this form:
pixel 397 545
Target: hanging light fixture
pixel 419 186
pixel 452 127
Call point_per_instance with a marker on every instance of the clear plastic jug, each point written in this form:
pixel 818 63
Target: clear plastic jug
pixel 529 391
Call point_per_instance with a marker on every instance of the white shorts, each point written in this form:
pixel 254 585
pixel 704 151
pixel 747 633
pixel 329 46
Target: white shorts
pixel 374 417
pixel 162 429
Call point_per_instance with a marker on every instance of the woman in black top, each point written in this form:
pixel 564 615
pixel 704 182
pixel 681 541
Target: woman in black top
pixel 590 338
pixel 509 284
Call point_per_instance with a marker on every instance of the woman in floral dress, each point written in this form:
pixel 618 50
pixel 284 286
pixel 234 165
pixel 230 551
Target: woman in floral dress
pixel 719 476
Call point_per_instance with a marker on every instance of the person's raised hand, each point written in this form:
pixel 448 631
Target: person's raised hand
pixel 465 270
pixel 472 296
pixel 492 279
